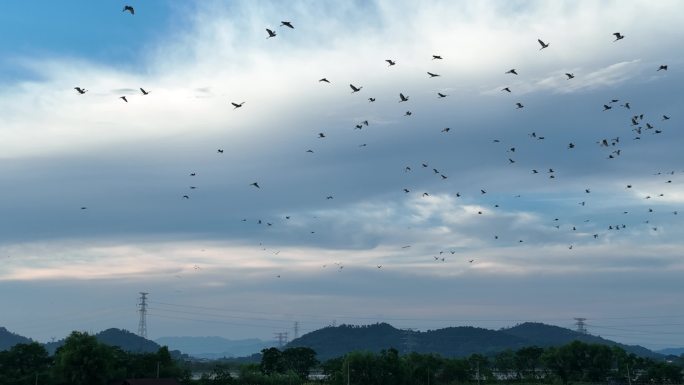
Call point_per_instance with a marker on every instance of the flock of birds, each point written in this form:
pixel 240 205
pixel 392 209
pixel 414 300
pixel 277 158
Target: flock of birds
pixel 638 123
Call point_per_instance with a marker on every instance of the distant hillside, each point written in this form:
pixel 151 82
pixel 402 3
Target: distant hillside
pixel 672 351
pixel 215 347
pixel 116 337
pixel 9 339
pixel 331 342
pixel 548 335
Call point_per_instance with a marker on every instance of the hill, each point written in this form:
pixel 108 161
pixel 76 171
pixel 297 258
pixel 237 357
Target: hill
pixel 214 347
pixel 9 339
pixel 331 342
pixel 116 337
pixel 548 335
pixel 672 351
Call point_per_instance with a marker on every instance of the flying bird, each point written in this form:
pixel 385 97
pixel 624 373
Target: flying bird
pixel 270 33
pixel 507 89
pixel 123 98
pixel 255 184
pixel 391 62
pixel 237 105
pixel 129 9
pixel 512 71
pixel 433 75
pixel 543 45
pixel 321 135
pixel 219 151
pixel 286 24
pixel 441 95
pixel 371 100
pixel 606 107
pixel 438 57
pixel 519 105
pixel 143 91
pixel 403 98
pixel 80 90
pixel 408 113
pixel 569 75
pixel 662 67
pixel 618 36
pixel 324 80
pixel 354 88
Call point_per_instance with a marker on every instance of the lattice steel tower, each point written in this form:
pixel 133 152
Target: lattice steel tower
pixel 581 326
pixel 142 309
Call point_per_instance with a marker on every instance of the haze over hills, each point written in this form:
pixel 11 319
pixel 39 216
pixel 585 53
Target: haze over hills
pixel 671 351
pixel 215 347
pixel 460 341
pixel 331 342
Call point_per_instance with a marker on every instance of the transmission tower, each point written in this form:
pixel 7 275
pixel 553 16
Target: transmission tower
pixel 281 337
pixel 296 329
pixel 409 340
pixel 142 309
pixel 581 326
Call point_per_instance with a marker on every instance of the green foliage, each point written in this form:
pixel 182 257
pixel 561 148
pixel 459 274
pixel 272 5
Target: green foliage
pixel 83 361
pixel 23 362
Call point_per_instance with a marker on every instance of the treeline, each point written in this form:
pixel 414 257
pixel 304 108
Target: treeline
pixel 571 363
pixel 82 360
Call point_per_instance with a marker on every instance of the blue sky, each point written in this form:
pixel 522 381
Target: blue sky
pixel 212 269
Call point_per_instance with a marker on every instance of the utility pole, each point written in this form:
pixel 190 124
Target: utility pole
pixel 296 329
pixel 142 309
pixel 629 377
pixel 478 372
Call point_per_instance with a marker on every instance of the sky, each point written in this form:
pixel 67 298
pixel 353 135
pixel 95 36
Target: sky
pixel 469 211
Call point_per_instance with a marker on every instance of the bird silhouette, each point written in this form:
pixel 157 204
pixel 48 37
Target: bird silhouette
pixel 255 184
pixel 446 129
pixel 123 98
pixel 286 24
pixel 321 135
pixel 543 45
pixel 403 98
pixel 606 107
pixel 391 62
pixel 371 100
pixel 512 71
pixel 324 80
pixel 569 75
pixel 618 36
pixel 80 90
pixel 507 89
pixel 436 57
pixel 433 75
pixel 143 91
pixel 354 88
pixel 220 151
pixel 441 95
pixel 519 105
pixel 665 117
pixel 270 33
pixel 408 113
pixel 237 105
pixel 662 68
pixel 129 9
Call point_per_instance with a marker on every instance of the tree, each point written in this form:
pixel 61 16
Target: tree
pixel 272 361
pixel 528 360
pixel 82 360
pixel 300 360
pixel 23 362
